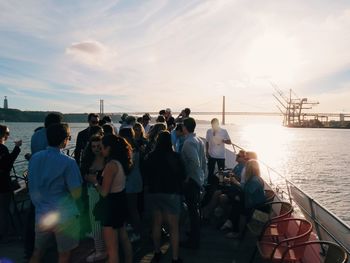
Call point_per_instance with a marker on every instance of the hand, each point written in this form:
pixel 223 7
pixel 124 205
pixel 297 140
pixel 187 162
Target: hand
pixel 234 181
pixel 227 180
pixel 18 143
pixel 27 156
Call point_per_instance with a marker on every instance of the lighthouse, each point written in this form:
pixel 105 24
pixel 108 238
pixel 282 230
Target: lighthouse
pixel 6 105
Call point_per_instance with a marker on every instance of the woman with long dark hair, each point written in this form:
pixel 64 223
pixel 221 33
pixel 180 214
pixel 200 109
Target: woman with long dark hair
pixel 92 165
pixel 6 162
pixel 165 173
pixel 118 154
pixel 134 185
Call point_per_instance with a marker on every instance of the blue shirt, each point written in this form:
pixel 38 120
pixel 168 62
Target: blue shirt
pixel 39 141
pixel 254 193
pixel 193 155
pixel 237 170
pixel 178 142
pixel 52 175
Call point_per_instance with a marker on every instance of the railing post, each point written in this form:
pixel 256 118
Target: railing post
pixel 313 217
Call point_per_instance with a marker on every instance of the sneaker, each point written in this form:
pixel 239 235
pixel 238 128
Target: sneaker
pixel 96 256
pixel 134 237
pixel 128 227
pixel 226 225
pixel 157 257
pixel 232 235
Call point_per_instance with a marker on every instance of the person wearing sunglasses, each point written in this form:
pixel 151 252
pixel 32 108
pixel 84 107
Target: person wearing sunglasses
pixel 6 162
pixel 54 182
pixel 84 136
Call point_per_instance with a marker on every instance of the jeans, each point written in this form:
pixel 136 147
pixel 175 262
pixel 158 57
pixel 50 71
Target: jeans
pixel 29 233
pixel 212 179
pixel 5 201
pixel 192 199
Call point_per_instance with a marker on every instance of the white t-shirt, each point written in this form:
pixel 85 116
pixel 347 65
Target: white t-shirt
pixel 216 144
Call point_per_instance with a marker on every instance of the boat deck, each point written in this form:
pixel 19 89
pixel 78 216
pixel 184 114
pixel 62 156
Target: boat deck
pixel 214 247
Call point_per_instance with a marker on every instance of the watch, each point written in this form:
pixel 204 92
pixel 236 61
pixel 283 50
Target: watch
pixel 95 184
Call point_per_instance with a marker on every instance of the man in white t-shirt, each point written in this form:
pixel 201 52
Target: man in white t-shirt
pixel 215 149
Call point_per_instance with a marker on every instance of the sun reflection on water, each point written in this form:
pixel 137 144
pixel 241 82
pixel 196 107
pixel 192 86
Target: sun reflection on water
pixel 270 142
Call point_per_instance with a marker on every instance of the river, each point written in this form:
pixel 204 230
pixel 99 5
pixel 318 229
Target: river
pixel 317 160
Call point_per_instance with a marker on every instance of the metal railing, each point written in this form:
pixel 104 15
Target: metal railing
pixel 20 168
pixel 327 225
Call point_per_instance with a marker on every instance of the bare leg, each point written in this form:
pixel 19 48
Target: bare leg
pixel 124 239
pixel 173 223
pixel 224 202
pixel 156 230
pixel 64 257
pixel 212 204
pixel 111 241
pixel 134 212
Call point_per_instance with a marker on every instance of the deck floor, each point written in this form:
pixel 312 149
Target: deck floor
pixel 214 247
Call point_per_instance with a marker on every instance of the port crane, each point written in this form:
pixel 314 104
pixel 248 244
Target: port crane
pixel 292 107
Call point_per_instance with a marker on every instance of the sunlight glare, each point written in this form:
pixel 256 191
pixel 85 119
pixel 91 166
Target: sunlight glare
pixel 268 141
pixel 50 220
pixel 273 55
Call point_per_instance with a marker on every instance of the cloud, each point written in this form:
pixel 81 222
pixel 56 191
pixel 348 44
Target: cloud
pixel 91 53
pixel 148 51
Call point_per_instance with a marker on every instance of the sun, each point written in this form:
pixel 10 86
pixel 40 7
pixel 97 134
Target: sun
pixel 274 55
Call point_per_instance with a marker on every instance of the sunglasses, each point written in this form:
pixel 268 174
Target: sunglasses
pixel 7 133
pixel 69 137
pixel 94 122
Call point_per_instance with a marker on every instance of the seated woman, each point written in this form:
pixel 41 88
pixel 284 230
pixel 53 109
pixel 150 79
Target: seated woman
pixel 253 196
pixel 223 195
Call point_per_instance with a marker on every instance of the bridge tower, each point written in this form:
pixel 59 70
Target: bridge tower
pixel 101 107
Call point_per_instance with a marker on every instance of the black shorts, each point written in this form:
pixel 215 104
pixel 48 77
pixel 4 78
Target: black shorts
pixel 115 210
pixel 232 191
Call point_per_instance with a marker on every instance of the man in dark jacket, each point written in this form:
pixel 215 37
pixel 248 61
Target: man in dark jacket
pixel 83 136
pixel 6 162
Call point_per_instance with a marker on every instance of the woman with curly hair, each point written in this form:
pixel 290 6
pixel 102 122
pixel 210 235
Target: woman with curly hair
pixel 92 165
pixel 118 154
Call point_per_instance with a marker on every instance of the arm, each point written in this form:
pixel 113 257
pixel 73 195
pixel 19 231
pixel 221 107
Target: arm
pixel 7 159
pixel 91 178
pixel 78 148
pixel 207 149
pixel 191 158
pixel 227 139
pixel 14 154
pixel 76 193
pixel 73 179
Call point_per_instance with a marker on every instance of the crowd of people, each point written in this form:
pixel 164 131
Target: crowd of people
pixel 116 173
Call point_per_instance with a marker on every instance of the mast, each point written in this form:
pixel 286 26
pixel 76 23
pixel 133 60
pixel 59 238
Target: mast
pixel 223 110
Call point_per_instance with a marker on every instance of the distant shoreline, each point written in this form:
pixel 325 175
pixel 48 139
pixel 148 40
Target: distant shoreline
pixel 15 115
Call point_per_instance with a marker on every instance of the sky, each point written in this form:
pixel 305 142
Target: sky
pixel 149 55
